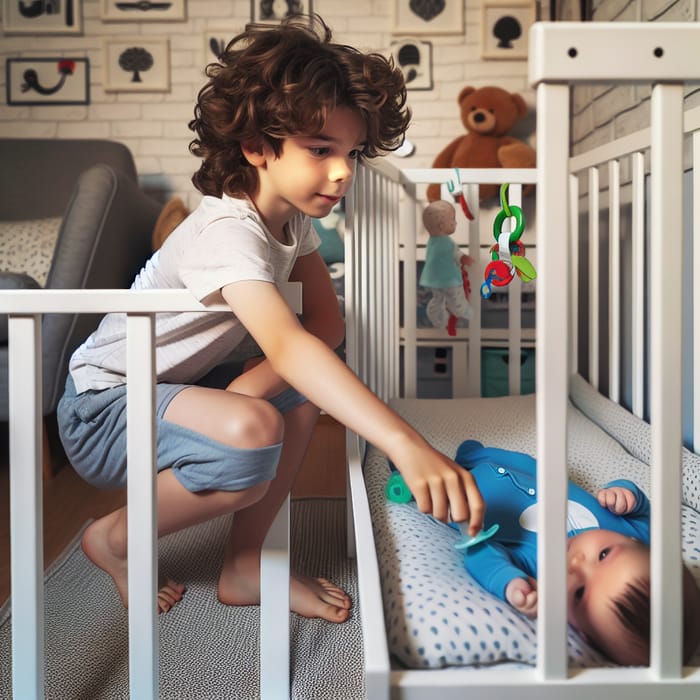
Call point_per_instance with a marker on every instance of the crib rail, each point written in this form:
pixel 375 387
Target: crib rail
pixel 604 180
pixel 25 310
pixel 382 216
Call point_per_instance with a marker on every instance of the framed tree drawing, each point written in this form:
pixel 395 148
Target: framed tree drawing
pixel 139 64
pixel 142 10
pixel 47 81
pixel 427 17
pixel 42 16
pixel 505 28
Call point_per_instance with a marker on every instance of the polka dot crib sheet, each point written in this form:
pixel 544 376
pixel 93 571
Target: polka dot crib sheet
pixel 436 615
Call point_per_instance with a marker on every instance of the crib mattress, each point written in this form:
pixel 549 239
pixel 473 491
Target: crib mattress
pixel 436 615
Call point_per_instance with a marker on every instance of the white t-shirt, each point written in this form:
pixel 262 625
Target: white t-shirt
pixel 223 241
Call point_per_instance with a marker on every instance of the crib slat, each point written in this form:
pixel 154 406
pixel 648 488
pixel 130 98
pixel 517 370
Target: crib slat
pixel 515 313
pixel 573 272
pixel 141 500
pixel 593 276
pixel 26 512
pixel 665 381
pixel 408 222
pixel 614 282
pixel 637 300
pixel 471 191
pixel 696 293
pixel 552 376
pixel 274 609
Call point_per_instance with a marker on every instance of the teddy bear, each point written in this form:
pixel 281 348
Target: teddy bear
pixel 488 114
pixel 444 272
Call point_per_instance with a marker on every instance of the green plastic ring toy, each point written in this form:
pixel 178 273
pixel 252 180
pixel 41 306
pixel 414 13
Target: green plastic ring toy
pixel 516 212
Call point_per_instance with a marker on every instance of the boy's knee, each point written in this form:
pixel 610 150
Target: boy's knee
pixel 260 425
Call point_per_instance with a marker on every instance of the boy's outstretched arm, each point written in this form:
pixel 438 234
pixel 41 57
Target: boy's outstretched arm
pixel 321 317
pixel 439 485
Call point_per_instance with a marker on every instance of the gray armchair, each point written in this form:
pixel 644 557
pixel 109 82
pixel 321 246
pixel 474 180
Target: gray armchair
pixel 103 240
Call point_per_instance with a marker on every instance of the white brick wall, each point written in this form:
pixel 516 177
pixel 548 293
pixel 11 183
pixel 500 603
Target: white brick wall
pixel 154 125
pixel 603 112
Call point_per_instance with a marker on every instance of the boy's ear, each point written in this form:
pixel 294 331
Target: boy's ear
pixel 253 152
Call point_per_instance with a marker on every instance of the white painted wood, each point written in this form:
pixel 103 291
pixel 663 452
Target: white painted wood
pixel 26 513
pixel 638 284
pixel 410 281
pixel 552 376
pixel 573 273
pixel 474 331
pixel 665 380
pixel 141 511
pixel 274 609
pixel 590 51
pixel 515 291
pixel 594 277
pixel 696 293
pixel 614 281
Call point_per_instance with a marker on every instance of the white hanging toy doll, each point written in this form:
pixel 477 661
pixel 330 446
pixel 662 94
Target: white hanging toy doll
pixel 444 271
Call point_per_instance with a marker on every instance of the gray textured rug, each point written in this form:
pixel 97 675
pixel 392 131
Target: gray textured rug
pixel 208 650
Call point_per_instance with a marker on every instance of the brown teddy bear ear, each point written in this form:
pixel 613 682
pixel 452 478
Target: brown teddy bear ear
pixel 520 105
pixel 465 93
pixel 173 213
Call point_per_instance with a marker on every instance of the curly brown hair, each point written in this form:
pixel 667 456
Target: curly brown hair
pixel 271 83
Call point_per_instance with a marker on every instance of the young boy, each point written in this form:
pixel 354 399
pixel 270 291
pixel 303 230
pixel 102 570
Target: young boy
pixel 607 554
pixel 280 125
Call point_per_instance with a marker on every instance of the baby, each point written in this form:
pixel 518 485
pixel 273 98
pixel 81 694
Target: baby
pixel 607 580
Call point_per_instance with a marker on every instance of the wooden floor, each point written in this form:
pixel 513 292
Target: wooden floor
pixel 69 501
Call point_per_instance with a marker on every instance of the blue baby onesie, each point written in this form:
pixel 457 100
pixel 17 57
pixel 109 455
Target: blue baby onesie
pixel 507 481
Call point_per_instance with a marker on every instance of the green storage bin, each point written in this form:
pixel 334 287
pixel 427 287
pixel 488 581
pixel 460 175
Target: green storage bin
pixel 494 371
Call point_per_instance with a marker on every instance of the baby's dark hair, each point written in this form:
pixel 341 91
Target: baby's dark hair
pixel 271 83
pixel 633 610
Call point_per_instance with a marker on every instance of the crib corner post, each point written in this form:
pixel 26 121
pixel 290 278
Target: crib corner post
pixel 26 511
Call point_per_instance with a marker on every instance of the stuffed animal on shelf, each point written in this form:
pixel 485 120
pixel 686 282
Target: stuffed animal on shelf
pixel 488 114
pixel 444 272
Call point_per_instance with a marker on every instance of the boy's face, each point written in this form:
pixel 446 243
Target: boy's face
pixel 313 172
pixel 600 564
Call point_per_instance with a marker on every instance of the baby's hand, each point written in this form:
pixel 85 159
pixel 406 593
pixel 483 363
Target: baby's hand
pixel 522 595
pixel 617 499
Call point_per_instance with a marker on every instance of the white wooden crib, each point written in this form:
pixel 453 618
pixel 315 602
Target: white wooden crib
pixel 381 252
pixel 381 229
pixel 25 309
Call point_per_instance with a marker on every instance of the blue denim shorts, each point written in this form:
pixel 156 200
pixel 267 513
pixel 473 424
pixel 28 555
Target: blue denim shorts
pixel 92 426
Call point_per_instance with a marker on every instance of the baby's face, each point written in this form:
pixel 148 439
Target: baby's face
pixel 600 564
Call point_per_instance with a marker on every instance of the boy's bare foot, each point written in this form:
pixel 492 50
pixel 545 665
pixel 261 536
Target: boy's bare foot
pixel 96 545
pixel 239 584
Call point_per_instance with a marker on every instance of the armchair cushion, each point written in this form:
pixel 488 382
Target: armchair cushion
pixel 104 239
pixel 28 246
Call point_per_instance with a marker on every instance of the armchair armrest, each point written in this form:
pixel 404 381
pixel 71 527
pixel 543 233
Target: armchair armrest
pixel 13 280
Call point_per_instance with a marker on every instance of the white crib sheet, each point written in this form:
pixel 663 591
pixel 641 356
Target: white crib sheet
pixel 436 615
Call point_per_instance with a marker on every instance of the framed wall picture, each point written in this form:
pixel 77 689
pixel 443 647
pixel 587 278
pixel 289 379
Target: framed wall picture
pixel 505 28
pixel 216 39
pixel 42 16
pixel 137 64
pixel 274 11
pixel 142 10
pixel 47 81
pixel 427 17
pixel 415 58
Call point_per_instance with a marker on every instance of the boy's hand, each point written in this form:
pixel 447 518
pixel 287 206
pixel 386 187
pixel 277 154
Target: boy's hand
pixel 617 499
pixel 522 595
pixel 442 488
